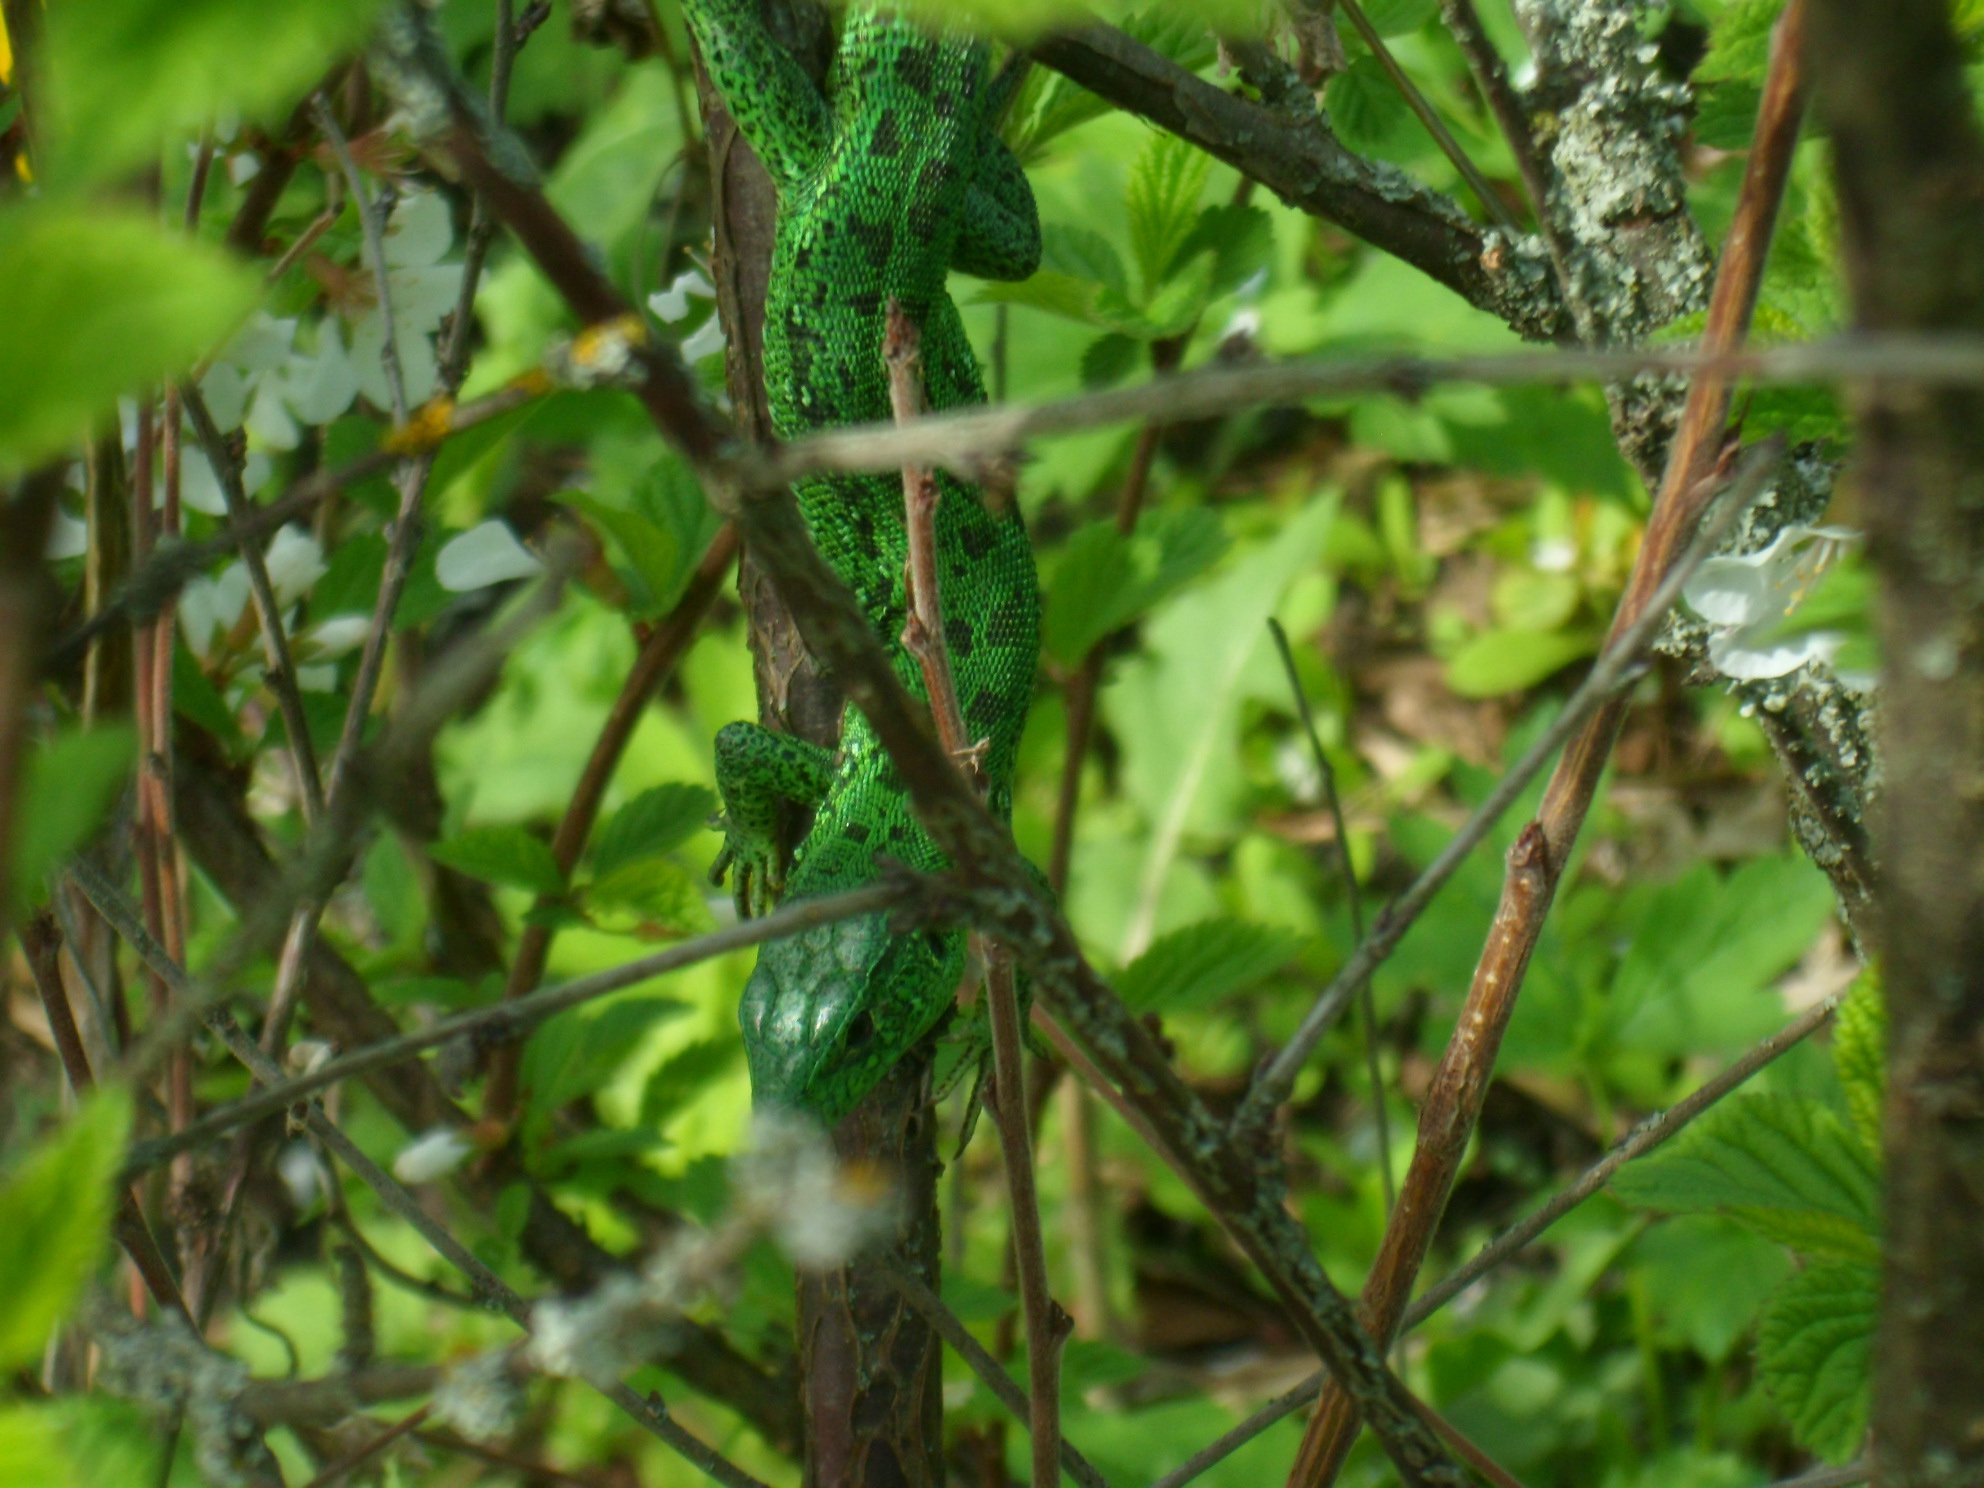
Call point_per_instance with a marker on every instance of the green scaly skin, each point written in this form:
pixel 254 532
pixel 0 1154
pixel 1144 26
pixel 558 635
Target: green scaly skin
pixel 884 186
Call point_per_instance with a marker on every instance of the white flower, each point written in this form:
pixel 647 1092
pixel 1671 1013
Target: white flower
pixel 1553 554
pixel 68 537
pixel 423 291
pixel 672 304
pixel 295 562
pixel 334 637
pixel 432 1155
pixel 264 382
pixel 297 1166
pixel 1745 597
pixel 210 607
pixel 486 554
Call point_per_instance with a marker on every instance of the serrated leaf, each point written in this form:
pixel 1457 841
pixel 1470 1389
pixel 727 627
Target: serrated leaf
pixel 1108 360
pixel 1367 111
pixel 98 302
pixel 663 897
pixel 656 821
pixel 57 1204
pixel 1726 114
pixel 655 560
pixel 1162 202
pixel 1786 1166
pixel 1815 1345
pixel 502 855
pixel 1860 1055
pixel 1082 253
pixel 1739 41
pixel 71 782
pixel 1105 580
pixel 1240 238
pixel 124 75
pixel 1202 965
pixel 1495 662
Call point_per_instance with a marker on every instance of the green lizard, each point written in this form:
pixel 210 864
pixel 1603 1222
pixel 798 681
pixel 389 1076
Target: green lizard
pixel 887 183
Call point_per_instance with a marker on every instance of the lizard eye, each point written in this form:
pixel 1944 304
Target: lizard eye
pixel 861 1030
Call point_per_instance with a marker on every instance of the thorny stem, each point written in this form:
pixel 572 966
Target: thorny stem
pixel 118 912
pixel 1600 686
pixel 924 637
pixel 1460 1081
pixel 1644 1138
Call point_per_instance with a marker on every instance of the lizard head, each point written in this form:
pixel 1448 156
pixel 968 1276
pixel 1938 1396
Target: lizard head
pixel 829 1011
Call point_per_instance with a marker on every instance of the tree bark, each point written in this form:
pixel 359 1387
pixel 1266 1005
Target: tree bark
pixel 1909 161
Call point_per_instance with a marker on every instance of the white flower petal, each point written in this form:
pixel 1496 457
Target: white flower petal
pixel 295 562
pixel 671 304
pixel 243 168
pixel 69 537
pixel 431 1155
pixel 424 297
pixel 297 1166
pixel 1747 655
pixel 485 554
pixel 199 487
pixel 419 231
pixel 706 342
pixel 320 387
pixel 226 392
pixel 269 424
pixel 1732 590
pixel 210 606
pixel 337 635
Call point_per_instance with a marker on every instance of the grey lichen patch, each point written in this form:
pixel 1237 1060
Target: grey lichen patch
pixel 164 1367
pixel 1637 259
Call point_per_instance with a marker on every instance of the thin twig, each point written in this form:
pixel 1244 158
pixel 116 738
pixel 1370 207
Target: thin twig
pixel 1460 1081
pixel 919 1295
pixel 1366 1005
pixel 1429 116
pixel 111 903
pixel 373 226
pixel 346 1465
pixel 924 637
pixel 964 439
pixel 1661 1127
pixel 1613 667
pixel 281 668
pixel 504 1020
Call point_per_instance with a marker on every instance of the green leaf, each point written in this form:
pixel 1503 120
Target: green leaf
pixel 1786 1166
pixel 71 782
pixel 1202 965
pixel 576 1053
pixel 1397 17
pixel 1241 240
pixel 1502 661
pixel 1105 580
pixel 1368 113
pixel 1109 359
pixel 57 1205
pixel 1815 1345
pixel 1163 201
pixel 1530 599
pixel 653 558
pixel 1859 1055
pixel 1082 253
pixel 1739 42
pixel 502 855
pixel 124 75
pixel 663 896
pixel 1726 114
pixel 99 301
pixel 656 821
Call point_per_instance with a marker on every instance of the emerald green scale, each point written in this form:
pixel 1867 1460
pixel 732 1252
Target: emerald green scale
pixel 887 183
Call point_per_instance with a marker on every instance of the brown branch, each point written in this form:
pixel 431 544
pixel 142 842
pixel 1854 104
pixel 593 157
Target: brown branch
pixel 393 1196
pixel 1908 157
pixel 1460 1082
pixel 1303 163
pixel 924 638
